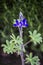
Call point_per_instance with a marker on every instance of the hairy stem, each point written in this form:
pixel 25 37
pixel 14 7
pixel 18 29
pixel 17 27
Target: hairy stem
pixel 21 53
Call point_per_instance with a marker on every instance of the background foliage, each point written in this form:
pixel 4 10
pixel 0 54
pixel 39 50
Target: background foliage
pixel 32 10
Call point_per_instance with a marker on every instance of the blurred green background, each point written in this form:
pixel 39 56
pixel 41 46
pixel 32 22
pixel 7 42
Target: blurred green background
pixel 32 10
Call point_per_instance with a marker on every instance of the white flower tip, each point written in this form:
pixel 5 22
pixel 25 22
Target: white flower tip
pixel 20 14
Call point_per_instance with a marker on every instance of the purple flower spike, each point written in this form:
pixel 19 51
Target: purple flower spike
pixel 21 22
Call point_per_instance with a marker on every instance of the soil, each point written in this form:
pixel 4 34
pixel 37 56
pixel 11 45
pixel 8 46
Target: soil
pixel 14 59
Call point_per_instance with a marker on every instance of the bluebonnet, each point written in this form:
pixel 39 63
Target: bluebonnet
pixel 21 22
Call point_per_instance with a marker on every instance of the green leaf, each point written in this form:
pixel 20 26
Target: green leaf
pixel 36 37
pixel 14 45
pixel 14 21
pixel 33 60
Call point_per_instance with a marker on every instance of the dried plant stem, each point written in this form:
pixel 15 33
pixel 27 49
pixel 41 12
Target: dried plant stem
pixel 22 58
pixel 21 53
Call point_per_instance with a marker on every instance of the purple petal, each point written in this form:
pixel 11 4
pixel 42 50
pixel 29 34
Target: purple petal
pixel 24 21
pixel 17 22
pixel 15 25
pixel 26 25
pixel 20 24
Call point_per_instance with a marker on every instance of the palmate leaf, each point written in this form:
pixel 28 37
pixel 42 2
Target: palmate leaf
pixel 13 37
pixel 14 45
pixel 36 37
pixel 32 60
pixel 8 47
pixel 19 40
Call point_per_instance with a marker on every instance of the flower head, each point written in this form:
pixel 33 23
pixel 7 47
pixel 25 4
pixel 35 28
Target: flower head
pixel 21 22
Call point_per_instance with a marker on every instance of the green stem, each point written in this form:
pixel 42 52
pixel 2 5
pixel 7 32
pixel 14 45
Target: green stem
pixel 27 43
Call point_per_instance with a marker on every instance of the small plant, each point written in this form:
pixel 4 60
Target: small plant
pixel 15 45
pixel 33 60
